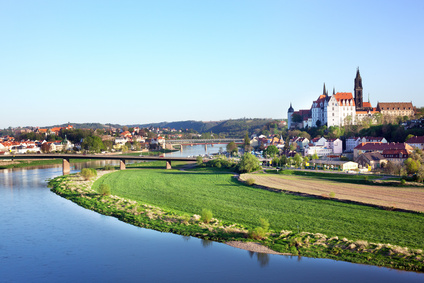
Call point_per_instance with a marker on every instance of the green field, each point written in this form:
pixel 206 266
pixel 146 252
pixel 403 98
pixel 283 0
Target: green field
pixel 231 201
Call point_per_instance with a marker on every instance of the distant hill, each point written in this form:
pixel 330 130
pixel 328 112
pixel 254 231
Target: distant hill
pixel 230 128
pixel 87 126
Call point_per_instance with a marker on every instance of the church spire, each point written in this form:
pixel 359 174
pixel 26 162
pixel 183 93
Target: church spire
pixel 358 91
pixel 334 90
pixel 324 92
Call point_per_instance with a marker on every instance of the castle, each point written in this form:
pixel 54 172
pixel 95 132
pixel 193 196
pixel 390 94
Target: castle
pixel 342 108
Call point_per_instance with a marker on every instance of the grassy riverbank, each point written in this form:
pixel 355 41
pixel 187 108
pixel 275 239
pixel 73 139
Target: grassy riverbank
pixel 39 162
pixel 169 200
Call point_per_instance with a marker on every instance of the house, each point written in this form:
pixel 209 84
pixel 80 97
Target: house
pixel 335 144
pixel 337 165
pixel 396 155
pixel 374 160
pixel 384 149
pixel 374 139
pixel 416 142
pixel 301 142
pixel 396 108
pixel 319 141
pixel 352 142
pixel 320 150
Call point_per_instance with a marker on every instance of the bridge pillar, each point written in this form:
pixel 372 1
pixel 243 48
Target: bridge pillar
pixel 206 147
pixel 66 167
pixel 181 147
pixel 168 164
pixel 122 165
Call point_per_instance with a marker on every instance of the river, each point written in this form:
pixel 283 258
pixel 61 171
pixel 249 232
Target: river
pixel 46 238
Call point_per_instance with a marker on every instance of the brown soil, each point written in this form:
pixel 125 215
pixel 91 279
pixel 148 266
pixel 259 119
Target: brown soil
pixel 391 197
pixel 253 247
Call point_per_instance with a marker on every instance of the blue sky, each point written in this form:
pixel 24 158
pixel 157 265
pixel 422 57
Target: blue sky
pixel 131 62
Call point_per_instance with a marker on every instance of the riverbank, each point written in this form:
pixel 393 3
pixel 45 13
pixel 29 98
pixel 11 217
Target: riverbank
pixel 181 221
pixel 18 163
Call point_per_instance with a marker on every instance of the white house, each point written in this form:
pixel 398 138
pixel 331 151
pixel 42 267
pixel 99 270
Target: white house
pixel 336 145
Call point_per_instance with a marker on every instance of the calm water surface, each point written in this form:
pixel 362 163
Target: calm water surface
pixel 45 238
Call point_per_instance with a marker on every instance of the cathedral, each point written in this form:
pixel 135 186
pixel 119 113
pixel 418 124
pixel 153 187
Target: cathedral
pixel 342 108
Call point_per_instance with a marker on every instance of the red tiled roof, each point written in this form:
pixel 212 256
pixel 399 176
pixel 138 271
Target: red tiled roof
pixel 416 139
pixel 343 95
pixel 382 146
pixel 366 104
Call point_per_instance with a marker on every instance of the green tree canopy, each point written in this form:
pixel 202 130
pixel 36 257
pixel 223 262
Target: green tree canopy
pixel 248 163
pixel 93 143
pixel 271 150
pixel 232 147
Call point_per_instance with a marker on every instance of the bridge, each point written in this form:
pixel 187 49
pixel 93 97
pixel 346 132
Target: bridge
pixel 66 168
pixel 203 141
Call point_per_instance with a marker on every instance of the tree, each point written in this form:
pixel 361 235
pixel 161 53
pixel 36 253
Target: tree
pixel 420 174
pixel 298 159
pixel 93 143
pixel 248 163
pixel 246 142
pixel 283 160
pixel 45 148
pixel 232 148
pixel 412 165
pixel 271 150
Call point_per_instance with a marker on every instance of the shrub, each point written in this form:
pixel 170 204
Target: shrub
pixel 199 160
pixel 109 167
pixel 250 181
pixel 403 182
pixel 260 232
pixel 88 173
pixel 206 216
pixel 104 189
pixel 332 194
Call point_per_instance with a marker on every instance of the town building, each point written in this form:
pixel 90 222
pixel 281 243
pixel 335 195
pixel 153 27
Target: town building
pixel 416 142
pixel 372 160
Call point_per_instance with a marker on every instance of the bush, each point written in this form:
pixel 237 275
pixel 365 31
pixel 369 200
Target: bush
pixel 109 167
pixel 104 189
pixel 88 173
pixel 332 194
pixel 260 232
pixel 199 160
pixel 206 216
pixel 250 181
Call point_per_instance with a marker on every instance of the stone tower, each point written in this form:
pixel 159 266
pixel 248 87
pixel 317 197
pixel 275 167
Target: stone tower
pixel 359 101
pixel 289 116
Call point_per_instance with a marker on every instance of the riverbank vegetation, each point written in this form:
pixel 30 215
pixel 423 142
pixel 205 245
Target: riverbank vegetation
pixel 172 201
pixel 17 163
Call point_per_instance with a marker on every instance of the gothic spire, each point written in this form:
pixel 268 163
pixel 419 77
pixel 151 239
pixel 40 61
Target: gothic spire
pixel 324 91
pixel 334 90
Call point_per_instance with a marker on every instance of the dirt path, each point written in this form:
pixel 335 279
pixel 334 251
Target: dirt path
pixel 394 197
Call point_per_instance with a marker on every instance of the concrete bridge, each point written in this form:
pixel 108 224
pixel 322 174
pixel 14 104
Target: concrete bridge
pixel 122 158
pixel 203 141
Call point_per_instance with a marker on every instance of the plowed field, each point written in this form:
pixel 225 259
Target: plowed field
pixel 396 197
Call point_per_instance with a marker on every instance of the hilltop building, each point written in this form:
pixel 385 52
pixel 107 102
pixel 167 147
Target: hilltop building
pixel 343 108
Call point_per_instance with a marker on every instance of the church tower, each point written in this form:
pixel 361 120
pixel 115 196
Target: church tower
pixel 359 102
pixel 289 116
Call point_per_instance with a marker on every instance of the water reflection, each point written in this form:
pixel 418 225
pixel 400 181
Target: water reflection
pixel 206 243
pixel 263 259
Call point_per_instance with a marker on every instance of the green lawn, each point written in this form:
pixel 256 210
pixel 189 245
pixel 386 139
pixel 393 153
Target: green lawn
pixel 191 191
